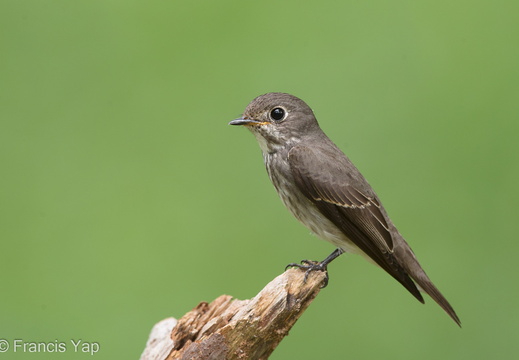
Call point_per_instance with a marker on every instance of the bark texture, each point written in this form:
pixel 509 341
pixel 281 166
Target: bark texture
pixel 237 329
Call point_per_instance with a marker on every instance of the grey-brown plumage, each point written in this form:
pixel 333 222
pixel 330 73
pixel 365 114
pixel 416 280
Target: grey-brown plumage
pixel 324 190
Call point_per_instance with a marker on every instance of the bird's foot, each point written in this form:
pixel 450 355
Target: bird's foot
pixel 310 266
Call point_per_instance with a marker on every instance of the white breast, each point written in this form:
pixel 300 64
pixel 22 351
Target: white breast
pixel 301 207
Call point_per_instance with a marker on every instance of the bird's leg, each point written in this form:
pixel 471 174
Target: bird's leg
pixel 310 265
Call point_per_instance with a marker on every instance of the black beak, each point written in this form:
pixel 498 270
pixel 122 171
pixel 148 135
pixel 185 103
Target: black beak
pixel 242 121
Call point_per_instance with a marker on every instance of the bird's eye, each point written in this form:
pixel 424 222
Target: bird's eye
pixel 277 114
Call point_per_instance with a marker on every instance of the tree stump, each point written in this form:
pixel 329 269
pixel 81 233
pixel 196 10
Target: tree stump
pixel 228 328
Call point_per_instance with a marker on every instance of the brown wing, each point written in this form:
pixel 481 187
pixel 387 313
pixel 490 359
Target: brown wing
pixel 343 195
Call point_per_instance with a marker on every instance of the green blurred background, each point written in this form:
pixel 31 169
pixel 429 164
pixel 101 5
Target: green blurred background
pixel 125 198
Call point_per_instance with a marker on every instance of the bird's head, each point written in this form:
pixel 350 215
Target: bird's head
pixel 278 120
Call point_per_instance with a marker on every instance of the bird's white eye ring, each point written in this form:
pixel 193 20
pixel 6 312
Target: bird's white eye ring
pixel 278 114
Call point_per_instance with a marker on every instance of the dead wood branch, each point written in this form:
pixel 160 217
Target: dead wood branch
pixel 236 329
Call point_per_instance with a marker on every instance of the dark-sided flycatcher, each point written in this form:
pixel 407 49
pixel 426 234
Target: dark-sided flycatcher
pixel 324 190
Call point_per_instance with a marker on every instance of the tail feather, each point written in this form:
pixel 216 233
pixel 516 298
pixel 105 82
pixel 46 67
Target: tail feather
pixel 426 284
pixel 415 271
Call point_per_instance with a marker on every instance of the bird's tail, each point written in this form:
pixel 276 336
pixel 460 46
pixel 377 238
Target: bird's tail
pixel 411 275
pixel 423 281
pixel 415 271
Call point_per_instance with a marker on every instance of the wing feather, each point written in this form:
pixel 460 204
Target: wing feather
pixel 337 188
pixel 346 199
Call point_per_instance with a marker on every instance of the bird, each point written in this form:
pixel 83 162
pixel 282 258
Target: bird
pixel 324 190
